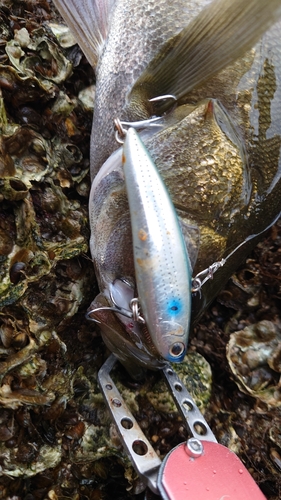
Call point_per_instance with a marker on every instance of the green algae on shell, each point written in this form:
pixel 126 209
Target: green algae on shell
pixel 195 373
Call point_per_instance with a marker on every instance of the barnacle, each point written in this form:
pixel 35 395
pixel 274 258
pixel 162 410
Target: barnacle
pixel 47 60
pixel 44 458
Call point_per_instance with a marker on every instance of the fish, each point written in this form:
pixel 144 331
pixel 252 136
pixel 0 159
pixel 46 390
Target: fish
pixel 210 71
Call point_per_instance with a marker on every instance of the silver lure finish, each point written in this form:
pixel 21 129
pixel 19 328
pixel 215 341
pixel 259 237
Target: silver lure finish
pixel 162 266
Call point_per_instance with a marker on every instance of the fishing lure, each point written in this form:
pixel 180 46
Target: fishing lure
pixel 162 266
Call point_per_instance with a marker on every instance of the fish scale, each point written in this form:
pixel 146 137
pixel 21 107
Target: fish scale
pixel 218 151
pixel 126 57
pixel 163 271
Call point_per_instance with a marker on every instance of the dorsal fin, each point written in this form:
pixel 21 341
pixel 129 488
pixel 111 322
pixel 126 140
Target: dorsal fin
pixel 221 33
pixel 89 22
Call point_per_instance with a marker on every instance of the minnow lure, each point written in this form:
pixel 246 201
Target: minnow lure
pixel 162 266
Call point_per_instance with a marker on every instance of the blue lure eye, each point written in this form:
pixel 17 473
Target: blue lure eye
pixel 174 307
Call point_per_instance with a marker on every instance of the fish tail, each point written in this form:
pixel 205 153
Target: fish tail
pixel 89 22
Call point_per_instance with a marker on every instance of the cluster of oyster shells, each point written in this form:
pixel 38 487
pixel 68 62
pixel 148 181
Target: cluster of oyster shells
pixel 43 227
pixel 43 222
pixel 52 414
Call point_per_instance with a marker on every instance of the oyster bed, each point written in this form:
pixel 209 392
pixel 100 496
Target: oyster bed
pixel 56 439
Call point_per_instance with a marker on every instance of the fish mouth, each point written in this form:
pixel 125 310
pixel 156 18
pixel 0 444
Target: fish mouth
pixel 112 306
pixel 174 349
pixel 116 301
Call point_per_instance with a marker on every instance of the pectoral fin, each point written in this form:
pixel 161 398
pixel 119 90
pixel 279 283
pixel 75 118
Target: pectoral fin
pixel 88 21
pixel 220 34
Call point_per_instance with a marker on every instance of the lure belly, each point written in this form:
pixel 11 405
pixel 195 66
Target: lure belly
pixel 162 266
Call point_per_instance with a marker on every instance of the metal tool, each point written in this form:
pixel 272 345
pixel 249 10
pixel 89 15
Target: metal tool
pixel 199 469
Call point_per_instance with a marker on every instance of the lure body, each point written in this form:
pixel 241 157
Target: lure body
pixel 162 267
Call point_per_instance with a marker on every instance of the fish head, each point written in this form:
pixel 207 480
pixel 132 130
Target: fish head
pixel 126 338
pixel 201 158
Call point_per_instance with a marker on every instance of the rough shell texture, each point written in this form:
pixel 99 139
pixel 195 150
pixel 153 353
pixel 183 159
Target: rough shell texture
pixel 254 356
pixel 52 419
pixel 55 433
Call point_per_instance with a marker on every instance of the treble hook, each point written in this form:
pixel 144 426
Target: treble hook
pixel 120 132
pixel 197 282
pixel 163 98
pixel 165 106
pixel 134 314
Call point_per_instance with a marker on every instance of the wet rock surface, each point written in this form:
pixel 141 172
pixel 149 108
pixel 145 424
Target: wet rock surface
pixel 56 439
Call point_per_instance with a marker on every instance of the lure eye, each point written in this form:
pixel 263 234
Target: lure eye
pixel 177 349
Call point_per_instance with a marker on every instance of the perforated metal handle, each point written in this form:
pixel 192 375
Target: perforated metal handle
pixel 192 417
pixel 144 459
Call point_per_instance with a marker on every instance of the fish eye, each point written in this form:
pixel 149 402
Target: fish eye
pixel 177 349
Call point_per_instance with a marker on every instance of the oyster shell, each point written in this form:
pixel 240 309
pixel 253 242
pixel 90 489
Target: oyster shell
pixel 254 356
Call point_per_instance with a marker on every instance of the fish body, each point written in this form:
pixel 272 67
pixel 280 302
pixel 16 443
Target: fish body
pixel 162 267
pixel 218 152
